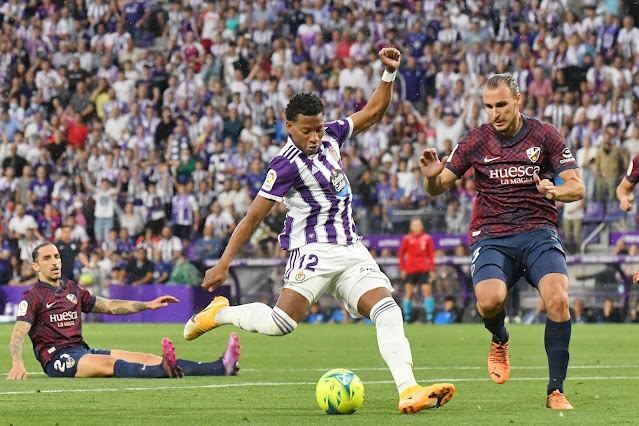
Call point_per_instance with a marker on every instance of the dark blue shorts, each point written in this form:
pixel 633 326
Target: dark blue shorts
pixel 65 361
pixel 531 255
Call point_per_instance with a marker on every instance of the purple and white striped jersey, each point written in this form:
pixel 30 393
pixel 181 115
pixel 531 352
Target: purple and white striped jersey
pixel 315 191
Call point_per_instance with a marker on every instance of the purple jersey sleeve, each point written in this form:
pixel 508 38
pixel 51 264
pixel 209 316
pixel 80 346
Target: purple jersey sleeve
pixel 560 157
pixel 279 179
pixel 633 171
pixel 459 160
pixel 341 130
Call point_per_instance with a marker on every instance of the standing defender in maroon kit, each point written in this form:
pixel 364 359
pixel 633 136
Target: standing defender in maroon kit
pixel 513 230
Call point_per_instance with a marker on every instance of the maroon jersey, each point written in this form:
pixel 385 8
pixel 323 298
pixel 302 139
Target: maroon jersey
pixel 55 317
pixel 508 201
pixel 633 171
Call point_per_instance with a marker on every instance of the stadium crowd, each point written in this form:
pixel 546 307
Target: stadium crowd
pixel 135 133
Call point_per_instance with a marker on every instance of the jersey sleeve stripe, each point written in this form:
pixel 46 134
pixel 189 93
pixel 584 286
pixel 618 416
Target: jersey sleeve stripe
pixel 350 128
pixel 269 196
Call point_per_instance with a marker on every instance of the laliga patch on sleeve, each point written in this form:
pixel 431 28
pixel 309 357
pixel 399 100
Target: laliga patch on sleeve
pixel 271 177
pixel 22 308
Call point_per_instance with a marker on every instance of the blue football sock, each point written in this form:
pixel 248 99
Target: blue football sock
pixel 497 326
pixel 129 370
pixel 193 368
pixel 557 340
pixel 429 305
pixel 408 306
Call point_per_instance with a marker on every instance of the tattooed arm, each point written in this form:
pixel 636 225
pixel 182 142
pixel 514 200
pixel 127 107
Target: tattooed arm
pixel 20 330
pixel 125 307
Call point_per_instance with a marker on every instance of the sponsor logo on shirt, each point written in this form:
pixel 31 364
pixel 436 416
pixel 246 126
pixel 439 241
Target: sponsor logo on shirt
pixel 514 175
pixel 64 319
pixel 338 183
pixel 22 308
pixel 568 158
pixel 533 153
pixel 271 177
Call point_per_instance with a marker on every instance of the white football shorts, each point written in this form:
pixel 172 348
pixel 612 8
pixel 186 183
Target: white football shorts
pixel 346 272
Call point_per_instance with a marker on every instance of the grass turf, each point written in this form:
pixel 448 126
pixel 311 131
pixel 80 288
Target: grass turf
pixel 277 379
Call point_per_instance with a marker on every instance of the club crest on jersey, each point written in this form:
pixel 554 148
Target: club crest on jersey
pixel 72 298
pixel 333 153
pixel 533 153
pixel 271 177
pixel 300 276
pixel 339 183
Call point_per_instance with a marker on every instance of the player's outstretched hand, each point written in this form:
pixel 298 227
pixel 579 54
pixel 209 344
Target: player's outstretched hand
pixel 626 203
pixel 161 302
pixel 215 277
pixel 390 58
pixel 430 164
pixel 545 187
pixel 17 372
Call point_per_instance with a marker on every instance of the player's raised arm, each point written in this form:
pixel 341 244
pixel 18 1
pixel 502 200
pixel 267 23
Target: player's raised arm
pixel 437 178
pixel 126 307
pixel 20 330
pixel 216 275
pixel 378 103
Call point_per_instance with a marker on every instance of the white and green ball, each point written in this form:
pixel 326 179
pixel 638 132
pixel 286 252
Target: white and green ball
pixel 340 391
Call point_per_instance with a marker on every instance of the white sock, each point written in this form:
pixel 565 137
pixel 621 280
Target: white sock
pixel 393 344
pixel 257 317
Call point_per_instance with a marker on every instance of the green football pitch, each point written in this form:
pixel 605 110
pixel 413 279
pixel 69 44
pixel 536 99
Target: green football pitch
pixel 277 378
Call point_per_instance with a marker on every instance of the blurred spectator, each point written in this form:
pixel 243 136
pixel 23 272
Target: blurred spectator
pixel 340 316
pixel 609 313
pixel 315 315
pixel 208 246
pixel 139 270
pixel 573 218
pixel 579 314
pixel 184 272
pixel 449 314
pixel 609 165
pixel 161 269
pixel 169 245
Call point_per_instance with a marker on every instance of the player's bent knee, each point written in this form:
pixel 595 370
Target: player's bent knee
pixel 557 303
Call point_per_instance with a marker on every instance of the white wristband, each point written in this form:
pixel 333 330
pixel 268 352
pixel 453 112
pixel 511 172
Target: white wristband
pixel 389 77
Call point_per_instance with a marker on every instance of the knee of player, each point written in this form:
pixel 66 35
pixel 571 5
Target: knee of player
pixel 488 302
pixel 557 303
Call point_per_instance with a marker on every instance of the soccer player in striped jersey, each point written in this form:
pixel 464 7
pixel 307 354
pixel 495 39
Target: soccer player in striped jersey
pixel 514 225
pixel 326 254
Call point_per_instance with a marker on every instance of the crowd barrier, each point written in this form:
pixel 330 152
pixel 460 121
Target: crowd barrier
pixel 194 298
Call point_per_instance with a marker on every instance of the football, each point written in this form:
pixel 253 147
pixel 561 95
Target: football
pixel 340 391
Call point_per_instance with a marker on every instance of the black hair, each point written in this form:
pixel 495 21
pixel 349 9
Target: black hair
pixel 304 103
pixel 36 251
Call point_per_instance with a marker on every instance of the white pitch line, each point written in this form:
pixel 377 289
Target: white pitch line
pixel 447 368
pixel 414 368
pixel 230 385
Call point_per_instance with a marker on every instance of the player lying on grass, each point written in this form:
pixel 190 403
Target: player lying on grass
pixel 326 254
pixel 51 313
